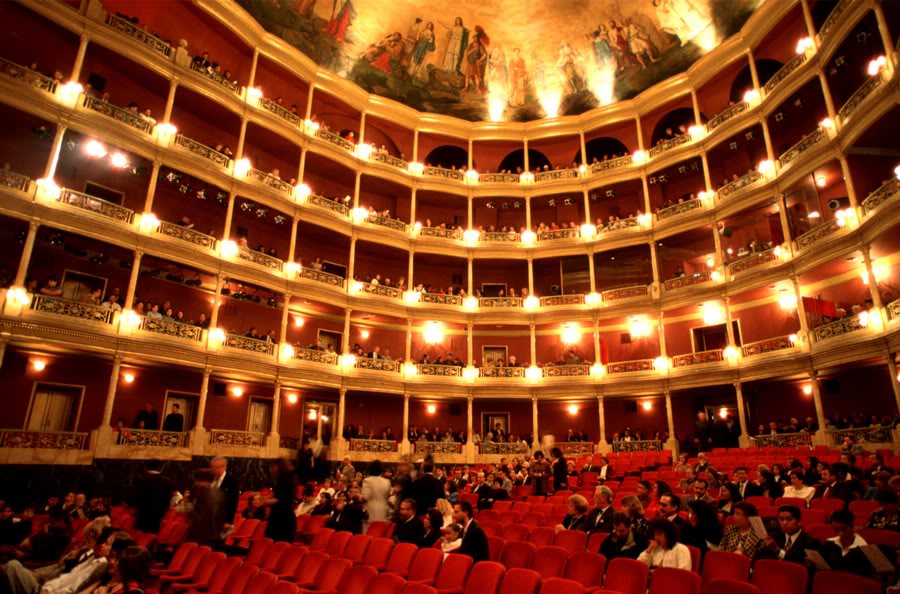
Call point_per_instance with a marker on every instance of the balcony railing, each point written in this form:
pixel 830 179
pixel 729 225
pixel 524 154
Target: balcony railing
pixel 500 302
pixel 271 181
pixel 431 369
pixel 723 116
pixel 687 280
pixel 28 76
pixel 381 290
pixel 620 224
pixel 576 448
pixel 752 261
pixel 438 299
pixel 801 147
pixel 270 106
pixel 188 235
pixel 257 257
pixel 437 447
pixel 817 233
pixel 502 372
pixel 630 366
pixel 769 345
pixel 784 72
pixel 388 365
pixel 71 309
pixel 503 449
pixel 833 17
pixel 610 164
pixel 176 329
pixel 252 345
pixel 44 440
pixel 740 183
pixel 500 236
pixel 566 370
pixel 335 139
pixel 894 309
pixel 881 195
pixel 286 442
pixel 206 72
pixel 625 293
pixel 700 358
pixel 875 434
pixel 226 437
pixel 668 145
pixel 388 159
pixel 387 222
pixel 554 234
pixel 155 439
pixel 376 446
pixel 130 118
pixel 315 356
pixel 96 206
pixel 139 35
pixel 451 174
pixel 441 233
pixel 556 174
pixel 677 209
pixel 841 327
pixel 783 440
pixel 202 151
pixel 14 181
pixel 321 277
pixel 859 96
pixel 555 300
pixel 498 178
pixel 644 445
pixel 328 204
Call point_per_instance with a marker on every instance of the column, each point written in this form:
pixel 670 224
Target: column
pixel 525 148
pixel 770 151
pixel 470 276
pixel 470 219
pixel 201 403
pixel 646 186
pixel 883 29
pixel 415 153
pixel 598 355
pixel 302 169
pixel 242 136
pixel 895 381
pixel 584 158
pixel 342 401
pixel 848 181
pixel 111 391
pixel 409 269
pixel 55 147
pixel 345 339
pixel 528 209
pixel 696 105
pixel 285 312
pixel 3 343
pixel 412 207
pixel 805 339
pixel 706 177
pixel 352 264
pixel 807 18
pixel 604 445
pixel 744 439
pixel 532 342
pixel 671 443
pixel 820 437
pixel 151 187
pixel 471 158
pixel 408 352
pixel 530 274
pixel 170 101
pixel 873 286
pixel 405 441
pixel 717 239
pixel 79 57
pixel 470 325
pixel 754 75
pixel 309 104
pixel 292 249
pixel 276 414
pixel 356 185
pixel 217 301
pixel 251 81
pixel 25 259
pixel 785 224
pixel 229 216
pixel 536 440
pixel 362 128
pixel 653 263
pixel 132 280
pixel 729 326
pixel 587 206
pixel 826 92
pixel 640 133
pixel 592 273
pixel 469 420
pixel 661 330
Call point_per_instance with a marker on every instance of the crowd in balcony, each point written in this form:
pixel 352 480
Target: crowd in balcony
pixel 808 425
pixel 212 69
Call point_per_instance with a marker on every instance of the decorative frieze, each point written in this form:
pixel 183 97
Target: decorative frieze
pixel 808 141
pixel 202 151
pixel 670 144
pixel 841 327
pixel 784 72
pixel 817 233
pixel 335 139
pixel 894 309
pixel 625 293
pixel 321 277
pixel 253 345
pixel 783 440
pixel 377 446
pixel 451 174
pixel 206 72
pixel 887 190
pixel 437 447
pixel 176 329
pixel 498 178
pixel 288 443
pixel 271 181
pixel 328 204
pixel 225 437
pixel 723 116
pixel 259 258
pixel 270 106
pixel 556 300
pixel 96 206
pixel 875 434
pixel 620 224
pixel 188 235
pixel 143 37
pixel 388 365
pixel 686 281
pixel 644 445
pixel 14 181
pixel 500 302
pixel 833 18
pixel 382 290
pixel 699 358
pixel 678 208
pixel 28 76
pixel 503 449
pixel 555 174
pixel 566 370
pixel 387 222
pixel 576 448
pixel 438 299
pixel 752 261
pixel 859 96
pixel 555 234
pixel 740 183
pixel 130 118
pixel 500 236
pixel 44 440
pixel 439 370
pixel 388 159
pixel 610 164
pixel 769 345
pixel 630 366
pixel 315 356
pixel 154 439
pixel 502 372
pixel 441 233
pixel 71 309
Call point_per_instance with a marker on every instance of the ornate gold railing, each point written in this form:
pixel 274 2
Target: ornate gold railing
pixel 700 358
pixel 554 300
pixel 816 233
pixel 769 345
pixel 321 277
pixel 783 440
pixel 503 449
pixel 686 280
pixel 609 164
pixel 740 183
pixel 314 356
pixel 630 366
pixel 28 76
pixel 801 147
pixel 752 261
pixel 176 329
pixel 833 17
pixel 500 302
pixel 859 96
pixel 388 365
pixel 624 293
pixel 71 309
pixel 231 85
pixel 644 445
pixel 437 447
pixel 271 181
pixel 876 434
pixel 839 328
pixel 270 106
pixel 441 233
pixel 500 236
pixel 335 139
pixel 139 35
pixel 327 204
pixel 381 290
pixel 545 176
pixel 156 439
pixel 784 72
pixel 881 195
pixel 117 113
pixel 440 370
pixel 96 205
pixel 576 448
pixel 498 178
pixel 678 208
pixel 566 370
pixel 453 174
pixel 13 180
pixel 45 440
pixel 388 159
pixel 226 437
pixel 620 224
pixel 203 151
pixel 373 445
pixel 723 116
pixel 387 222
pixel 438 299
pixel 188 235
pixel 501 372
pixel 253 345
pixel 288 443
pixel 670 144
pixel 894 309
pixel 554 234
pixel 264 260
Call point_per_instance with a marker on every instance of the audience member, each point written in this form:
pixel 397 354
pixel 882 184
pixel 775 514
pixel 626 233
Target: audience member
pixel 664 550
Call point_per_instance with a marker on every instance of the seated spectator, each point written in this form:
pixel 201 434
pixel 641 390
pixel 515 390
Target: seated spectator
pixel 255 509
pixel 576 518
pixel 797 488
pixel 601 517
pixel 740 536
pixel 451 540
pixel 308 501
pixel 728 498
pixel 792 542
pixel 51 288
pixel 706 529
pixel 635 509
pixel 409 528
pixel 842 551
pixel 347 514
pixel 664 550
pixel 623 541
pixel 885 517
pixel 132 570
pixel 433 522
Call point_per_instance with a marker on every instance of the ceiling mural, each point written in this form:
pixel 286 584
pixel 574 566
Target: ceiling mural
pixel 503 60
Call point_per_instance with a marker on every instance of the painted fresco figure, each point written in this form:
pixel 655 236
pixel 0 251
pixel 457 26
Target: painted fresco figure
pixel 639 43
pixel 457 39
pixel 604 55
pixel 683 18
pixel 570 68
pixel 518 79
pixel 619 41
pixel 340 22
pixel 497 76
pixel 424 45
pixel 388 54
pixel 475 60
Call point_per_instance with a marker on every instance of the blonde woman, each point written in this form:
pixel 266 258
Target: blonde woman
pixel 635 510
pixel 446 510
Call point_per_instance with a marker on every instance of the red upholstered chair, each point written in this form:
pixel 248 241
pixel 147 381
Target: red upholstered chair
pixel 517 554
pixel 862 509
pixel 561 586
pixel 488 515
pixel 523 507
pixel 176 564
pixel 273 555
pixel 820 531
pixel 495 546
pixel 520 581
pixel 337 543
pixel 329 576
pixel 485 578
pixel 308 568
pixel 418 589
pixel 510 517
pixel 778 577
pixel 573 541
pixel 674 581
pixel 533 519
pixel 809 517
pixel 491 527
pixel 515 532
pixel 243 531
pixel 535 499
pixel 723 586
pixel 378 554
pixel 378 529
pixel 502 506
pixel 200 577
pixel 386 583
pixel 595 539
pixel 542 536
pixel 838 582
pixel 283 587
pixel 828 505
pixel 257 552
pixel 260 583
pixel 356 548
pixel 550 561
pixel 877 536
pixel 289 561
pixel 627 576
pixel 795 501
pixel 454 573
pixel 190 567
pixel 426 566
pixel 759 500
pixel 401 559
pixel 355 580
pixel 725 566
pixel 219 579
pixel 321 538
pixel 587 569
pixel 314 525
pixel 696 556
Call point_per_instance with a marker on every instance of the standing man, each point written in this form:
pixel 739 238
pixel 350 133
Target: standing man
pixel 149 416
pixel 227 487
pixel 152 497
pixel 174 421
pixel 427 489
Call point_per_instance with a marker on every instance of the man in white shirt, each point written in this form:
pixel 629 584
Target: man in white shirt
pixel 85 573
pixel 601 517
pixel 112 302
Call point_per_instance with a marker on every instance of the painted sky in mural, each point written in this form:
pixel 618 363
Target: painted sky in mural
pixel 503 60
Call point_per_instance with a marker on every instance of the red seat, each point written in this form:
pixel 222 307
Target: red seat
pixel 454 573
pixel 401 559
pixel 667 580
pixel 260 583
pixel 258 533
pixel 595 540
pixel 586 569
pixel 542 508
pixel 520 581
pixel 522 507
pixel 777 577
pixel 378 529
pixel 828 505
pixel 329 576
pixel 321 538
pixel 426 566
pixel 200 577
pixel 542 536
pixel 488 515
pixel 411 588
pixel 876 536
pixel 301 523
pixel 289 561
pixel 502 506
pixel 491 527
pixel 378 554
pixel 725 566
pixel 535 499
pixel 495 546
pixel 356 549
pixel 550 561
pixel 510 517
pixel 283 587
pixel 273 555
pixel 308 568
pixel 258 551
pixel 515 532
pixel 517 554
pixel 337 543
pixel 759 500
pixel 386 583
pixel 862 509
pixel 723 586
pixel 696 555
pixel 313 526
pixel 555 500
pixel 190 567
pixel 218 579
pixel 820 531
pixel 561 586
pixel 627 576
pixel 573 541
pixel 355 580
pixel 484 579
pixel 533 519
pixel 838 582
pixel 176 564
pixel 795 501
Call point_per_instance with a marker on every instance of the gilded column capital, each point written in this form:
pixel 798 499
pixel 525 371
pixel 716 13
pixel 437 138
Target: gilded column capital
pixel 34 225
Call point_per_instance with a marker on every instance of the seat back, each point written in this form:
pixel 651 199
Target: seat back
pixel 207 567
pixel 696 555
pixel 491 527
pixel 454 572
pixel 239 579
pixel 337 543
pixel 308 568
pixel 542 536
pixel 485 578
pixel 862 509
pixel 260 583
pixel 356 580
pixel 320 540
pixel 573 541
pixel 379 552
pixel 331 573
pixel 834 582
pixel 378 529
pixel 586 568
pixel 550 561
pixel 878 536
pixel 244 530
pixel 667 580
pixel 290 559
pixel 510 517
pixel 517 554
pixel 356 548
pixel 810 516
pixel 418 589
pixel 425 566
pixel 520 581
pixel 401 558
pixel 514 532
pixel 561 586
pixel 728 566
pixel 595 540
pixel 221 577
pixel 273 555
pixel 533 519
pixel 627 576
pixel 386 583
pixel 759 500
pixel 777 577
pixel 194 559
pixel 284 587
pixel 725 586
pixel 258 551
pixel 820 531
pixel 176 565
pixel 827 505
pixel 502 506
pixel 495 547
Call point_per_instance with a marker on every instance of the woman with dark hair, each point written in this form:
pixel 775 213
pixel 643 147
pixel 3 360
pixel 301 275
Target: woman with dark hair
pixel 664 550
pixel 661 488
pixel 740 536
pixel 133 569
pixel 434 521
pixel 539 474
pixel 375 493
pixel 706 524
pixel 207 513
pixel 812 476
pixel 644 490
pixel 729 496
pixel 560 478
pixel 282 521
pixel 771 487
pixel 632 505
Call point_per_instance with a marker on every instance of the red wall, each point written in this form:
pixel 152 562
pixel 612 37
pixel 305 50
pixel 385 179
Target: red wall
pixel 32 38
pixel 377 411
pixel 554 419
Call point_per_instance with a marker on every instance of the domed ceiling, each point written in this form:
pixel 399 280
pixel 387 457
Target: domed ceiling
pixel 503 60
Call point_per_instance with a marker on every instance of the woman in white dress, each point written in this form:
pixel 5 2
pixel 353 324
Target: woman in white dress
pixel 798 489
pixel 375 492
pixel 457 35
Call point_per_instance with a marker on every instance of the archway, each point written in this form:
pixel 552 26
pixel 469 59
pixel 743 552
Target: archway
pixel 605 147
pixel 448 156
pixel 683 116
pixel 379 138
pixel 743 82
pixel 516 159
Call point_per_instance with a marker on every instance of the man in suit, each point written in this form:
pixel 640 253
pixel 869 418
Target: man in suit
pixel 174 421
pixel 876 464
pixel 604 470
pixel 701 488
pixel 669 504
pixel 409 528
pixel 745 487
pixel 791 543
pixel 836 486
pixel 427 489
pixel 474 539
pixel 347 515
pixel 227 487
pixel 601 517
pixel 149 416
pixel 152 498
pixel 623 541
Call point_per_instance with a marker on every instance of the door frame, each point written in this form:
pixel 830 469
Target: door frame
pixel 188 422
pixel 77 408
pixel 105 280
pixel 495 346
pixel 492 415
pixel 270 402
